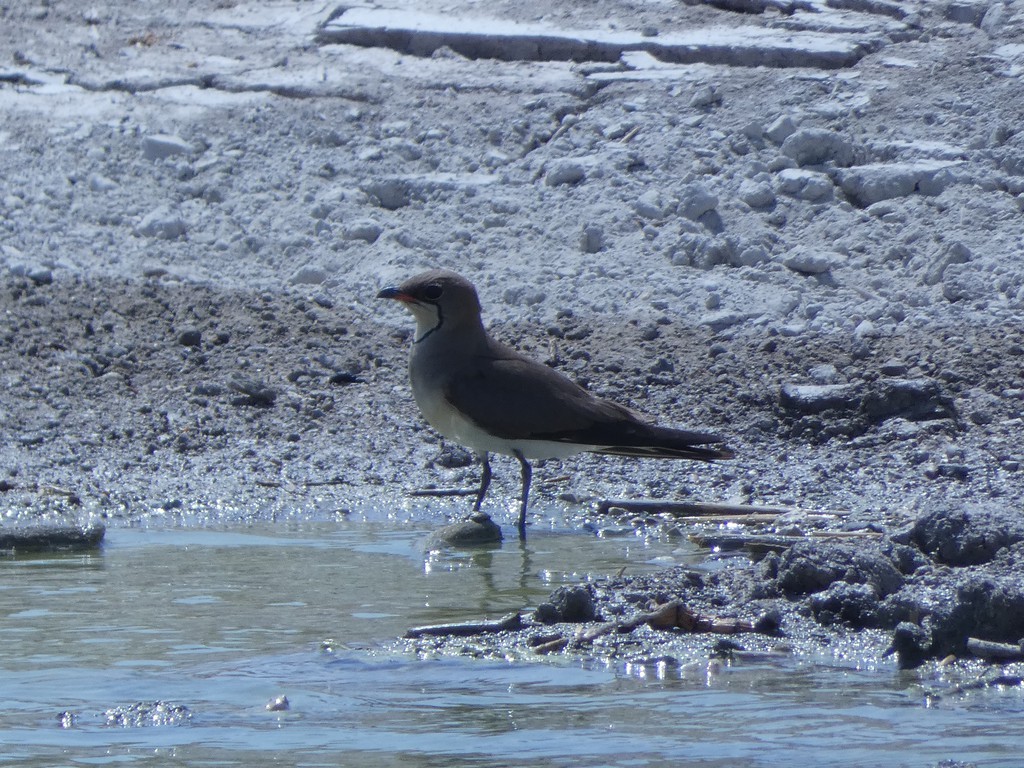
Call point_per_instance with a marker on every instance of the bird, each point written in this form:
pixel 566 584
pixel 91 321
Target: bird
pixel 489 397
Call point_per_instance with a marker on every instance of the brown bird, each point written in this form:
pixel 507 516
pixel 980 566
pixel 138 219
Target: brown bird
pixel 490 398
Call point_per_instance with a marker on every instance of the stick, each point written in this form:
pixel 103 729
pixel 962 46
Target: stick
pixel 443 492
pixel 700 508
pixel 986 649
pixel 508 624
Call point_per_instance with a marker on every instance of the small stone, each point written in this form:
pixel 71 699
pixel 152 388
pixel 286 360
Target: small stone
pixel 161 224
pixel 651 205
pixel 757 194
pixel 278 704
pixel 100 183
pixel 565 172
pixel 592 238
pixel 696 200
pixel 809 262
pixel 160 146
pixel 817 146
pixel 367 230
pixel 780 129
pixel 190 338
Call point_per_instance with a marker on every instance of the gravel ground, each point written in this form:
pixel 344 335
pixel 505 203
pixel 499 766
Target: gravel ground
pixel 823 262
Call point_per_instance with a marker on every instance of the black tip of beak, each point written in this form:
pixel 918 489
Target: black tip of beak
pixel 389 293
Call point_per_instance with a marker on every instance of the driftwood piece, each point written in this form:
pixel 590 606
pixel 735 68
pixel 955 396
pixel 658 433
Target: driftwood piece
pixel 762 544
pixel 443 492
pixel 52 538
pixel 509 623
pixel 987 649
pixel 703 509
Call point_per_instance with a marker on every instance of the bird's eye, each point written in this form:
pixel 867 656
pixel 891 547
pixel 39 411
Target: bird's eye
pixel 432 292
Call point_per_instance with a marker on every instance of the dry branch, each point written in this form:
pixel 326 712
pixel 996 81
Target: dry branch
pixel 509 623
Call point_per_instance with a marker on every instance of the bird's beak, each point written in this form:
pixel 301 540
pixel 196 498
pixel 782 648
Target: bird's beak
pixel 397 294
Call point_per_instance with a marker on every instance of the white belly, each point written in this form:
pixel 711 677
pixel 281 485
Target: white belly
pixel 454 426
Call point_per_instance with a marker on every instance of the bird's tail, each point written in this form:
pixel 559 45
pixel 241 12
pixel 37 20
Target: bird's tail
pixel 665 443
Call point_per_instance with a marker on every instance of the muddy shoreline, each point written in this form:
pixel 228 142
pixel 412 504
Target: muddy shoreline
pixel 821 264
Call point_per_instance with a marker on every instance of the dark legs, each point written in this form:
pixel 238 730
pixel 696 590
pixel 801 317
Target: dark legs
pixel 527 474
pixel 485 480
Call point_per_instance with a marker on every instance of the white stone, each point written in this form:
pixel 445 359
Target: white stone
pixel 159 146
pixel 162 224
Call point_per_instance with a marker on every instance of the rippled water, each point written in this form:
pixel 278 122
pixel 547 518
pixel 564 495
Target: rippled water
pixel 222 621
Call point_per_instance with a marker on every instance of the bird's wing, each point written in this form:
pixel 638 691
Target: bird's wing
pixel 515 398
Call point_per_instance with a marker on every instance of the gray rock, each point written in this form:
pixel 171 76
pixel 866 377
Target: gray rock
pixel 810 262
pixel 816 398
pixel 478 530
pixel 159 146
pixel 308 275
pixel 162 224
pixel 757 194
pixel 565 172
pixel 817 146
pixel 592 238
pixel 954 253
pixel 651 205
pixel 570 603
pixel 812 186
pixel 811 566
pixel 390 194
pixel 780 129
pixel 696 200
pixel 367 230
pixel 965 535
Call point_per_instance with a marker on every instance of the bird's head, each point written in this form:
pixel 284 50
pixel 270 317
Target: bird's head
pixel 437 299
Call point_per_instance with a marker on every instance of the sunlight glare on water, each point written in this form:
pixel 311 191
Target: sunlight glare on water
pixel 223 621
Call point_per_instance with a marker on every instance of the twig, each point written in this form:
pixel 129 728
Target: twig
pixel 510 623
pixel 292 486
pixel 443 492
pixel 670 615
pixel 986 649
pixel 730 542
pixel 700 508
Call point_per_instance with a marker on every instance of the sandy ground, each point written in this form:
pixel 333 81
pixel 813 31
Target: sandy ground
pixel 199 202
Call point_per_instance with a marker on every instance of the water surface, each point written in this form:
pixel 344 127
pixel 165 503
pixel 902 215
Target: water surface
pixel 222 621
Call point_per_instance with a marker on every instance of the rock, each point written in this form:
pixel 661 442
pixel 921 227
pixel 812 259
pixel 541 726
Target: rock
pixel 478 530
pixel 780 129
pixel 696 200
pixel 390 194
pixel 954 253
pixel 190 338
pixel 569 603
pixel 651 205
pixel 964 535
pixel 865 185
pixel 912 399
pixel 815 398
pixel 592 238
pixel 159 146
pixel 854 605
pixel 565 172
pixel 366 230
pixel 704 97
pixel 100 183
pixel 308 275
pixel 812 186
pixel 812 566
pixel 985 607
pixel 817 146
pixel 810 262
pixel 757 194
pixel 161 224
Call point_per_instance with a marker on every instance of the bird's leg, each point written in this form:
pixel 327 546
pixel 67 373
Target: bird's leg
pixel 485 480
pixel 527 474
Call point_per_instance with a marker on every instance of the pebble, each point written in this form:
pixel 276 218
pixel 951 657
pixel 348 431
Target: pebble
pixel 757 194
pixel 162 224
pixel 872 183
pixel 159 146
pixel 592 238
pixel 565 172
pixel 367 230
pixel 190 338
pixel 780 129
pixel 806 185
pixel 651 205
pixel 817 146
pixel 696 200
pixel 809 262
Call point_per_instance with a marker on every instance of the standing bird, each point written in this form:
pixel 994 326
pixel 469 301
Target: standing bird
pixel 488 397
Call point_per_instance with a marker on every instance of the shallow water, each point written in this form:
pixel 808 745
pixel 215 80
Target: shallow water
pixel 222 621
